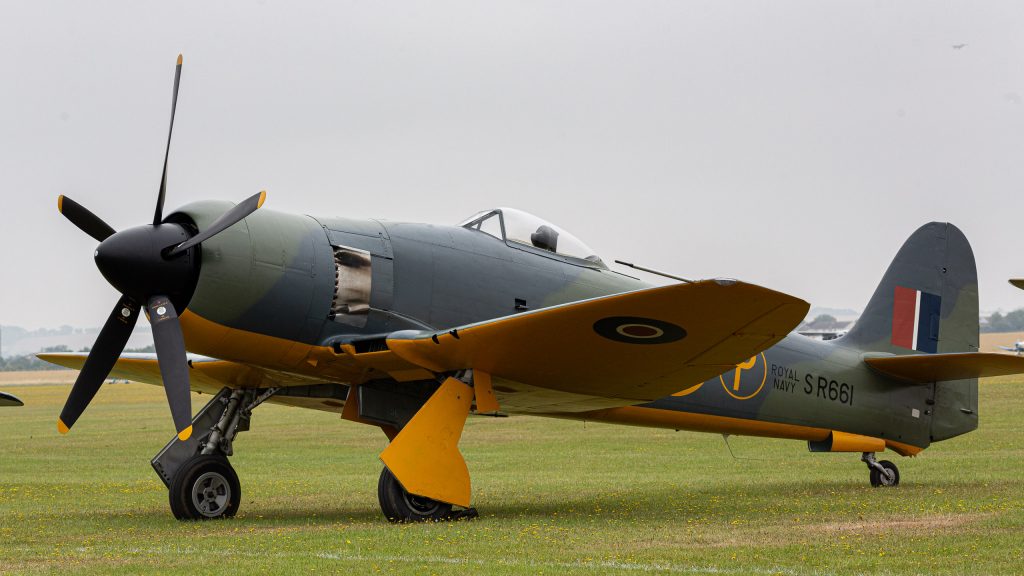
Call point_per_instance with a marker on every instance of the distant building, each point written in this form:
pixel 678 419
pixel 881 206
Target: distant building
pixel 819 330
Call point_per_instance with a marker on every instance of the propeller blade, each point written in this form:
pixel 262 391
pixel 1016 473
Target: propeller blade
pixel 226 220
pixel 170 351
pixel 159 216
pixel 100 362
pixel 85 220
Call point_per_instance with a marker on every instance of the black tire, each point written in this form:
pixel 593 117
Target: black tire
pixel 204 488
pixel 878 480
pixel 400 506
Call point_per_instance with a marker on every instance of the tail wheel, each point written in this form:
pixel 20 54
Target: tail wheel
pixel 400 506
pixel 204 488
pixel 889 476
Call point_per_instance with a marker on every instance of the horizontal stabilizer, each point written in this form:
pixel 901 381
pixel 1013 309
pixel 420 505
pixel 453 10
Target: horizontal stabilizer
pixel 921 368
pixel 9 400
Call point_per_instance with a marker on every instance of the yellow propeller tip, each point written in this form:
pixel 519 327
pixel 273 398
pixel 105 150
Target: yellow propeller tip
pixel 62 427
pixel 179 59
pixel 185 434
pixel 60 203
pixel 263 198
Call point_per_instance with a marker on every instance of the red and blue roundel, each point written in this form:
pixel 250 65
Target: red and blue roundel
pixel 638 330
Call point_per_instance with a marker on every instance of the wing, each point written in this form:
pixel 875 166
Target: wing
pixel 10 400
pixel 1018 282
pixel 1007 348
pixel 635 346
pixel 631 347
pixel 209 375
pixel 639 345
pixel 923 368
pixel 626 348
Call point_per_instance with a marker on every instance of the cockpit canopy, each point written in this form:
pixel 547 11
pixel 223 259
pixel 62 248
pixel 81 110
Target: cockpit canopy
pixel 524 229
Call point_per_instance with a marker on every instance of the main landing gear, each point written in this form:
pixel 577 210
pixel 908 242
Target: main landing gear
pixel 883 473
pixel 399 506
pixel 205 487
pixel 201 483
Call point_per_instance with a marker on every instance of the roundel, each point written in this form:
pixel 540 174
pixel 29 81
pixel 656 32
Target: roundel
pixel 637 330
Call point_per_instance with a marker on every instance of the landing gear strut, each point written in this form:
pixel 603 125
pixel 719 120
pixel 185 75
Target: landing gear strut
pixel 883 473
pixel 201 483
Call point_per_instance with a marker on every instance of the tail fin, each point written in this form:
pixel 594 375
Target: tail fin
pixel 927 302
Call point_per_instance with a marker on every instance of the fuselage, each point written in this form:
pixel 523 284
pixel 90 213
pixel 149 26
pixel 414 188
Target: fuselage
pixel 281 291
pixel 800 388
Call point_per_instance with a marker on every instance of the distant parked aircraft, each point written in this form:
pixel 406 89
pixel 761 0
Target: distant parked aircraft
pixel 1017 347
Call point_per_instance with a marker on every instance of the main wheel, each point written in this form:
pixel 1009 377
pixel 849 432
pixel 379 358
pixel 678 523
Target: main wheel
pixel 400 506
pixel 891 476
pixel 205 487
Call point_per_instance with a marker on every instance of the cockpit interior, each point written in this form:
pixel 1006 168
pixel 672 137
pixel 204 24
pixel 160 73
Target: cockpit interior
pixel 522 229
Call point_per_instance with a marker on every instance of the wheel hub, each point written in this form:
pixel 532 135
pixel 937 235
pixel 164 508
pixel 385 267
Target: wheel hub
pixel 421 505
pixel 211 494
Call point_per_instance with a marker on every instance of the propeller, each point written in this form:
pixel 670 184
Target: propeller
pixel 157 266
pixel 158 216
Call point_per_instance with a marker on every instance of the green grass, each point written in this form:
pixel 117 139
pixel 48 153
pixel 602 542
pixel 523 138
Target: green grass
pixel 555 497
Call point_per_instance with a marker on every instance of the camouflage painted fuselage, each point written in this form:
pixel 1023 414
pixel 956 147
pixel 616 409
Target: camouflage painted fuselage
pixel 808 386
pixel 284 276
pixel 275 274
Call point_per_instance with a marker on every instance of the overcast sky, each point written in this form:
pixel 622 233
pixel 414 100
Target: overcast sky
pixel 791 144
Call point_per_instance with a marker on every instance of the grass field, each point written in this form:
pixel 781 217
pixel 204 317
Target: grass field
pixel 555 497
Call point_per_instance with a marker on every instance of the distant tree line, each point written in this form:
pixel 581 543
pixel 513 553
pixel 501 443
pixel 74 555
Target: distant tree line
pixel 1011 322
pixel 27 362
pixel 30 362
